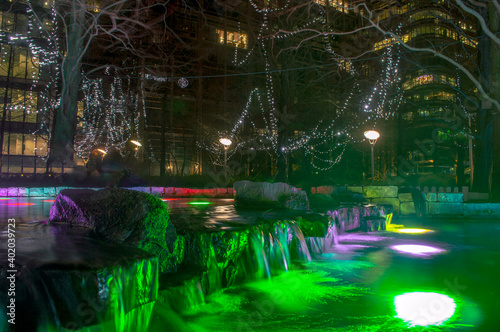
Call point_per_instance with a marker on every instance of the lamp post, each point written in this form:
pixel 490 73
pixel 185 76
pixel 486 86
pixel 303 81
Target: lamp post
pixel 372 136
pixel 137 146
pixel 226 142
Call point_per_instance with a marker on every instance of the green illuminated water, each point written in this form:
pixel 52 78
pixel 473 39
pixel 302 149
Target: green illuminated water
pixel 281 286
pixel 353 287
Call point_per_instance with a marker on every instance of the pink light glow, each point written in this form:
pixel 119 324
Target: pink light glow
pixel 416 249
pixel 20 204
pixel 49 200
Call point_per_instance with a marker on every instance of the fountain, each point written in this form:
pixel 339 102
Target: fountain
pixel 108 259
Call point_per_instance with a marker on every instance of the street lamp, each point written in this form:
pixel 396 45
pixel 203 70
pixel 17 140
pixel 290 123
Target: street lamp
pixel 372 136
pixel 135 143
pixel 226 142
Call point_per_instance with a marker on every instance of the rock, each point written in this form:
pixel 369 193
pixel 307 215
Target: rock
pixel 66 280
pixel 349 197
pixel 264 195
pixel 405 197
pixel 380 191
pixel 322 202
pixel 125 216
pixel 407 208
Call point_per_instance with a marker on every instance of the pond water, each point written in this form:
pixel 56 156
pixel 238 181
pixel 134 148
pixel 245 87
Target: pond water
pixel 443 279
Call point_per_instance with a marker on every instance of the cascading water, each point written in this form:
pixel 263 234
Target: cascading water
pixel 77 283
pixel 129 294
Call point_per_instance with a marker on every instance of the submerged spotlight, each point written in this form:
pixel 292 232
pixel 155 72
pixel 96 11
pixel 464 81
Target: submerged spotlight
pixel 424 308
pixel 417 249
pixel 199 203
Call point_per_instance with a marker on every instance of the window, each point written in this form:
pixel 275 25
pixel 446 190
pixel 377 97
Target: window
pixel 346 65
pixel 388 42
pixel 23 64
pixel 440 95
pixel 21 105
pixel 93 5
pixel 428 14
pixel 394 10
pixel 442 31
pixel 340 5
pixel 237 39
pixel 427 79
pixel 423 113
pixel 29 145
pixel 7 22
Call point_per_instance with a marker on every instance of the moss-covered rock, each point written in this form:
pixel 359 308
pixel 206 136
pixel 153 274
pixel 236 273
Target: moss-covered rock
pixel 265 195
pixel 124 216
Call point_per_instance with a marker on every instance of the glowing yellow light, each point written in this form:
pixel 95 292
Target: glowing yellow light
pixel 413 230
pixel 102 151
pixel 136 142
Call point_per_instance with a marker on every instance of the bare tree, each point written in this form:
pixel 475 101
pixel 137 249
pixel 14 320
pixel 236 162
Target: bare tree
pixel 309 91
pixel 90 37
pixel 484 74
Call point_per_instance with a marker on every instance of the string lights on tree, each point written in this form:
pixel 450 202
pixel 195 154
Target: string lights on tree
pixel 326 142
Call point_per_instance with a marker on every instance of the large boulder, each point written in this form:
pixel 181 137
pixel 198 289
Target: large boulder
pixel 125 216
pixel 265 195
pixel 322 202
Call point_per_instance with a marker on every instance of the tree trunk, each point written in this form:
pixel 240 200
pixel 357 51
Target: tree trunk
pixel 495 86
pixel 484 156
pixel 62 147
pixel 282 160
pixel 163 119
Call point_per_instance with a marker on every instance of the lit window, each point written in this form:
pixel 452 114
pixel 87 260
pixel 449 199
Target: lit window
pixel 23 64
pixel 388 42
pixel 442 31
pixel 394 10
pixel 237 39
pixel 20 105
pixel 93 5
pixel 346 65
pixel 340 5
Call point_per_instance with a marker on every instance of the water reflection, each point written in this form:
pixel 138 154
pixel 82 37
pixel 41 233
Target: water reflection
pixel 351 287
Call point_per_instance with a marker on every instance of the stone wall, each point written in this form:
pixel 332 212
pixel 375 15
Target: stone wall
pixel 438 202
pixel 387 195
pixel 159 191
pixel 444 203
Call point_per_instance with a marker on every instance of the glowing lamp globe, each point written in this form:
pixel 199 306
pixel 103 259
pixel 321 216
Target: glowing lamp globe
pixel 225 141
pixel 372 135
pixel 135 142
